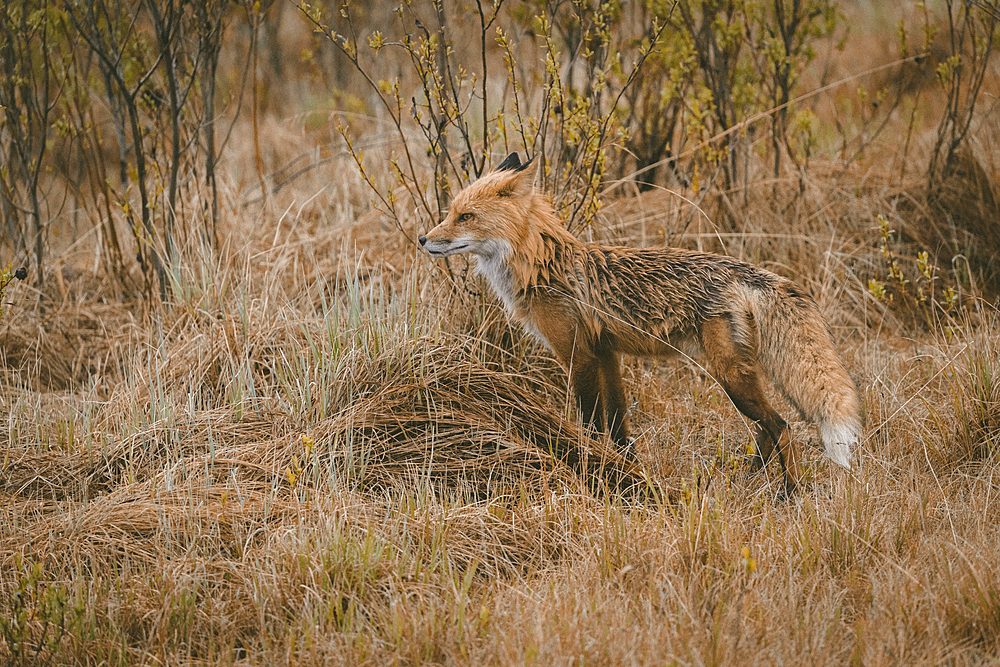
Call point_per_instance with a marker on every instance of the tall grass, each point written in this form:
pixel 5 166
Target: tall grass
pixel 312 457
pixel 326 448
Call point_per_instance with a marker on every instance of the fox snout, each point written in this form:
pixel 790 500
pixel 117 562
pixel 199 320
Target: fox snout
pixel 439 245
pixel 433 245
pixel 432 249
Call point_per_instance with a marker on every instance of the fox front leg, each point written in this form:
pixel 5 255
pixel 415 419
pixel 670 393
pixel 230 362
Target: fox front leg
pixel 586 377
pixel 615 403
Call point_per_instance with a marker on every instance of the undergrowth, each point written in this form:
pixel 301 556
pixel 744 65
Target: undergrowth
pixel 292 438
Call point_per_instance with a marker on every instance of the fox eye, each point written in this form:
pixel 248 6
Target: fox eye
pixel 465 217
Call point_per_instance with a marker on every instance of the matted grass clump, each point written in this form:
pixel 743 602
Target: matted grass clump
pixel 427 412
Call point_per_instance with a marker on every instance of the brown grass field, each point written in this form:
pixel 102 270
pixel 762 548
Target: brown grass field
pixel 325 450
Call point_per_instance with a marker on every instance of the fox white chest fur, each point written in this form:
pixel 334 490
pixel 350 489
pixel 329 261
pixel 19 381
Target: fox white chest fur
pixel 494 267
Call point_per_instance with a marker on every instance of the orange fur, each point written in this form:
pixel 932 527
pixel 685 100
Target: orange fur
pixel 590 303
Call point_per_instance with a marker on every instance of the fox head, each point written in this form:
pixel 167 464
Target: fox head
pixel 489 217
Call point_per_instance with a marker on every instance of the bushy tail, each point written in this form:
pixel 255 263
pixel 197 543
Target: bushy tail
pixel 796 350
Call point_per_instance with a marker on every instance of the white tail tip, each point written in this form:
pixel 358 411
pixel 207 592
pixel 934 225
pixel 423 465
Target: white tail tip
pixel 838 441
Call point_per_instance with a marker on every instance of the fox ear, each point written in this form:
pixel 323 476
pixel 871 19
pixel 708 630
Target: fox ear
pixel 524 167
pixel 521 182
pixel 511 163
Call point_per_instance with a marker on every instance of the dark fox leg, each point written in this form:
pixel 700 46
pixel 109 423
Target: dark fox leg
pixel 615 404
pixel 732 365
pixel 586 377
pixel 763 446
pixel 584 368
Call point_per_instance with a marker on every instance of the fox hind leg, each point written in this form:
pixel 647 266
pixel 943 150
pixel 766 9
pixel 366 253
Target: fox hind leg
pixel 732 365
pixel 770 430
pixel 763 446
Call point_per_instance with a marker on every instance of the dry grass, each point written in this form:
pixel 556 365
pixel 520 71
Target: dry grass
pixel 324 452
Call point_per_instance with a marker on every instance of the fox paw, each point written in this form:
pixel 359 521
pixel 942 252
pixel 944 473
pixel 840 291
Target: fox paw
pixel 753 461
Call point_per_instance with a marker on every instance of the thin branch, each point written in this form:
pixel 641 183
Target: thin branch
pixel 761 115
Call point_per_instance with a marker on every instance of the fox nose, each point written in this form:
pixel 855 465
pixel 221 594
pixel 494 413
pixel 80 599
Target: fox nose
pixel 423 240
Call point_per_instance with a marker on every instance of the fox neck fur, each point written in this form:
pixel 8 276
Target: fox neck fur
pixel 533 260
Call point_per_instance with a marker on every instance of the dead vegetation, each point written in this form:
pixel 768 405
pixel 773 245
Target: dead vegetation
pixel 326 448
pixel 376 468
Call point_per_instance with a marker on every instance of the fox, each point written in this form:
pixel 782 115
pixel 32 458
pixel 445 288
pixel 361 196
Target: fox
pixel 590 304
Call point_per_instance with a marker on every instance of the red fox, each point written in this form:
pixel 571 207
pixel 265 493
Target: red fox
pixel 590 304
